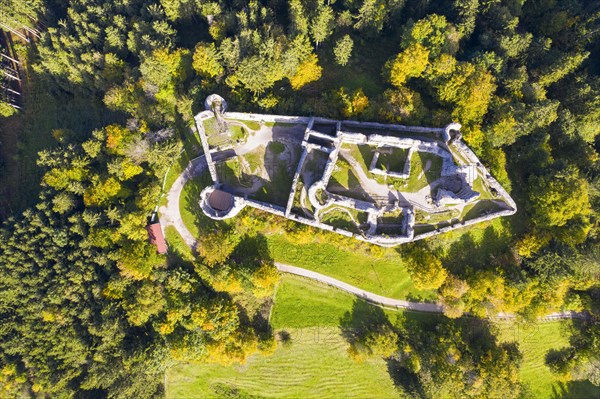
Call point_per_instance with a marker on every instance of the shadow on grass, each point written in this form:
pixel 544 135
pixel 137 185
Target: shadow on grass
pixel 362 319
pixel 491 251
pixel 575 390
pixel 193 215
pixel 354 189
pixel 367 154
pixel 273 190
pixel 405 379
pixel 225 391
pixel 482 208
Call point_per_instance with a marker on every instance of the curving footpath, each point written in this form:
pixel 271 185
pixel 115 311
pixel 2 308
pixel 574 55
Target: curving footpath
pixel 171 216
pixel 366 295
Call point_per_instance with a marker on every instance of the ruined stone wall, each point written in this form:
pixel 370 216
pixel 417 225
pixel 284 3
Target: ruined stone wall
pixel 358 138
pixel 267 118
pixel 467 153
pixel 203 139
pixel 295 182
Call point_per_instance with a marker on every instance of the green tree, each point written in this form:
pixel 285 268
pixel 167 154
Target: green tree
pixel 207 60
pixel 426 270
pixel 372 15
pixel 558 197
pixel 299 20
pixel 321 25
pixel 6 109
pixel 308 71
pixel 343 50
pixel 562 67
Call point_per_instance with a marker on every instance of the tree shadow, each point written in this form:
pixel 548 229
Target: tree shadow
pixel 354 190
pixel 363 317
pixel 191 191
pixel 482 208
pixel 575 390
pixel 405 379
pixel 252 251
pixel 289 132
pixel 367 154
pixel 490 252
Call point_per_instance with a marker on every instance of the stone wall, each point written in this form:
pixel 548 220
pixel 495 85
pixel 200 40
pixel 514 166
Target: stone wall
pixel 290 202
pixel 238 205
pixel 408 222
pixel 203 139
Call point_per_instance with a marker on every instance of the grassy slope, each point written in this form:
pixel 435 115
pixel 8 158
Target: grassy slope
pixel 534 342
pixel 300 302
pixel 385 274
pixel 316 365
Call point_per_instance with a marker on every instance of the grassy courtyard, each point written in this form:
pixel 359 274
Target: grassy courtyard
pixel 425 168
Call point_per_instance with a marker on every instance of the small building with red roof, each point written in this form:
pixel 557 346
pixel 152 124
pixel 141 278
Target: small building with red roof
pixel 156 237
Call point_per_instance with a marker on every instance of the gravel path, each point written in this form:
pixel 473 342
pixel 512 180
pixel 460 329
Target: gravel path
pixel 169 214
pixel 366 295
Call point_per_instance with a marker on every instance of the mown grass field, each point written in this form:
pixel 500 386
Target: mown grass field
pixel 315 364
pixel 534 342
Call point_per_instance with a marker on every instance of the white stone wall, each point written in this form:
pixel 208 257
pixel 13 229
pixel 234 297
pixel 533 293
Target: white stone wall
pixel 448 168
pixel 290 202
pixel 202 133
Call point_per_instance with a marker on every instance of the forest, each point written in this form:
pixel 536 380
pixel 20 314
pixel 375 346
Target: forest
pixel 108 94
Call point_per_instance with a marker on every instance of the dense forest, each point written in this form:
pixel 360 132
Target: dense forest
pixel 88 309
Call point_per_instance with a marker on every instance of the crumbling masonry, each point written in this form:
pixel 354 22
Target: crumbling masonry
pixel 444 142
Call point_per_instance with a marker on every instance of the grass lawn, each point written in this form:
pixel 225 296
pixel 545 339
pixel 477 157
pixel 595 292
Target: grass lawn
pixel 340 219
pixel 418 177
pixel 300 302
pixel 393 160
pixel 384 274
pixel 251 125
pixel 363 154
pixel 315 363
pixel 534 342
pixel 482 189
pixel 345 182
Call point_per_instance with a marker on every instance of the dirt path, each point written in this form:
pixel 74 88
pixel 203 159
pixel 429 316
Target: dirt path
pixel 170 214
pixel 366 295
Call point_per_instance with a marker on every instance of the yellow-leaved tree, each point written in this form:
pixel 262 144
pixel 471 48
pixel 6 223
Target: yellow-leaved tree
pixel 308 71
pixel 411 63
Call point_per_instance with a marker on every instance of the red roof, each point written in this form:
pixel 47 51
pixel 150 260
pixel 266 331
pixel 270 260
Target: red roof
pixel 156 237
